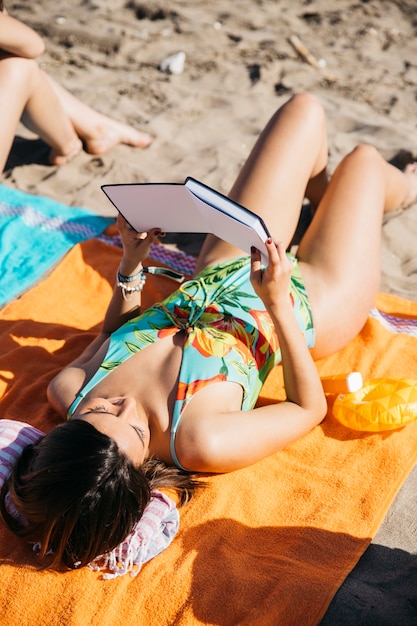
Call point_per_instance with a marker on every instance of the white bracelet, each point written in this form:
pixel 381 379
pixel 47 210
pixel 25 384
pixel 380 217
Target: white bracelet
pixel 127 290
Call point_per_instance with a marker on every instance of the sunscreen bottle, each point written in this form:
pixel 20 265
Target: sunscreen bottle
pixel 342 383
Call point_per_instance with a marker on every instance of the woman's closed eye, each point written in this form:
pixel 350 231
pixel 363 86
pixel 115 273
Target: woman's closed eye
pixel 99 409
pixel 140 433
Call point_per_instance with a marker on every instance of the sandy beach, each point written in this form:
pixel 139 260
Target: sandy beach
pixel 242 60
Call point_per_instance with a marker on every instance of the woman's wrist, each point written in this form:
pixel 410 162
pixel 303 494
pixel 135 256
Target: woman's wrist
pixel 132 284
pixel 129 268
pixel 130 277
pixel 280 309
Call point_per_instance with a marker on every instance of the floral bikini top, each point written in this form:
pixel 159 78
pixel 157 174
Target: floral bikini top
pixel 228 335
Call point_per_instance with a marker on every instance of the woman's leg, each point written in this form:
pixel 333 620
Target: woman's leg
pixel 54 114
pixel 98 132
pixel 340 252
pixel 289 158
pixel 26 93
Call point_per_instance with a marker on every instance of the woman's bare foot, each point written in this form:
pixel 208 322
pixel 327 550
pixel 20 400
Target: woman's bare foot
pixel 106 134
pixel 410 171
pixel 59 158
pixel 109 133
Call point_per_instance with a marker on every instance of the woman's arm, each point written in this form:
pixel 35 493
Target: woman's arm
pixel 65 385
pixel 127 298
pixel 19 40
pixel 302 382
pixel 136 248
pixel 212 441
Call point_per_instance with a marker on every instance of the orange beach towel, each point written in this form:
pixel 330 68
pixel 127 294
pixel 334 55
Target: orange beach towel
pixel 268 545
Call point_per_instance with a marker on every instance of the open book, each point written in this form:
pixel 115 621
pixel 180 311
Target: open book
pixel 189 207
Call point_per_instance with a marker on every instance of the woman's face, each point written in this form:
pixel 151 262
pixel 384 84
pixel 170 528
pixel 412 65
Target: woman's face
pixel 118 418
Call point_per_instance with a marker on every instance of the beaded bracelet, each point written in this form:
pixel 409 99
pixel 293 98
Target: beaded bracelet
pixel 130 290
pixel 123 283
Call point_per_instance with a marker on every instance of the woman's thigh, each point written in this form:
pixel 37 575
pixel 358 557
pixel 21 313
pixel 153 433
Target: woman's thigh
pixel 290 152
pixel 340 253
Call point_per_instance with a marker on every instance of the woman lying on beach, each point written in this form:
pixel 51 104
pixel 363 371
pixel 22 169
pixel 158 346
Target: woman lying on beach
pixel 28 94
pixel 163 395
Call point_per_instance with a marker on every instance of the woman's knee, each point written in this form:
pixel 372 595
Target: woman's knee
pixel 16 71
pixel 309 107
pixel 366 168
pixel 364 153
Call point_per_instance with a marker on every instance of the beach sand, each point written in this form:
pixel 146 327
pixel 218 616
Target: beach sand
pixel 240 65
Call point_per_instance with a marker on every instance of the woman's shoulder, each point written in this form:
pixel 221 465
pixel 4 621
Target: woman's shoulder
pixel 63 388
pixel 66 384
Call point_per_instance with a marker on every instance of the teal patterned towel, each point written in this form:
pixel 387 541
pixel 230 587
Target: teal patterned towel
pixel 35 233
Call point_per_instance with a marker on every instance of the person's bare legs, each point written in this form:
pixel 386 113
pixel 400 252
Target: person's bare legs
pixel 26 94
pixel 340 252
pixel 55 115
pixel 290 152
pixel 98 132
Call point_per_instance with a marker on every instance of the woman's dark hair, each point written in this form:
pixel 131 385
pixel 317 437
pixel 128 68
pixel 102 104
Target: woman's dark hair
pixel 81 495
pixel 1 5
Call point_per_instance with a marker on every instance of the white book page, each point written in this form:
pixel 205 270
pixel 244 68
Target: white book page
pixel 175 209
pixel 168 206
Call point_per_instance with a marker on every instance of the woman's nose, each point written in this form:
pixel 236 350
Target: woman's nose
pixel 126 406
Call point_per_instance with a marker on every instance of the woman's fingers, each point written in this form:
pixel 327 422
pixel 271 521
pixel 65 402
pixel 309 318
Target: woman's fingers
pixel 272 285
pixel 256 266
pixel 277 256
pixel 281 251
pixel 279 259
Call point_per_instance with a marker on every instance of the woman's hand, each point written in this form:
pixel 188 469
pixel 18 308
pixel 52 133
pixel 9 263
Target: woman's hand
pixel 272 284
pixel 136 246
